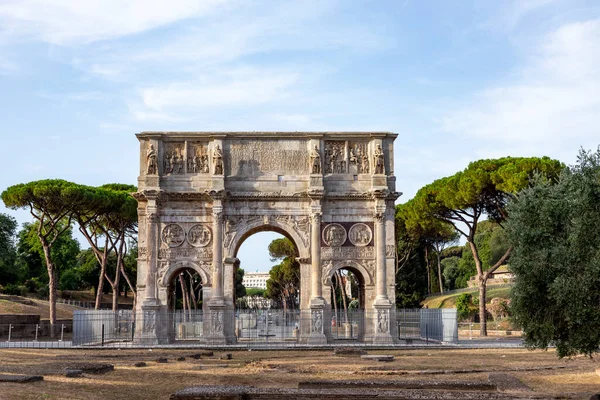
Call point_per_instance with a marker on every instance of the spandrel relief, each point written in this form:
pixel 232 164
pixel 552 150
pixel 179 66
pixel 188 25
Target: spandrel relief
pixel 173 158
pixel 197 158
pixel 335 157
pixel 359 157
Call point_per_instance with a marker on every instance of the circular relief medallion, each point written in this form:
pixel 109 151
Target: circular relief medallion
pixel 199 236
pixel 360 235
pixel 334 235
pixel 173 235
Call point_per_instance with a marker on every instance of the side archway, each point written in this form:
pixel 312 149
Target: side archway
pixel 331 267
pixel 203 269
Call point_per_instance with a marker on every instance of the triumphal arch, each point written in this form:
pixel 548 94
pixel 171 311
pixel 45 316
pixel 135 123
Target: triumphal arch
pixel 201 194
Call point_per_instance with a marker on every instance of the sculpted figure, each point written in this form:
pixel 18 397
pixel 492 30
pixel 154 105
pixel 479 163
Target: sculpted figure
pixel 218 160
pixel 378 156
pixel 166 163
pixel 151 160
pixel 315 157
pixel 383 323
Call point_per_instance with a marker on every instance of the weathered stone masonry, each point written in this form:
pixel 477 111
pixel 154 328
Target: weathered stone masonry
pixel 201 194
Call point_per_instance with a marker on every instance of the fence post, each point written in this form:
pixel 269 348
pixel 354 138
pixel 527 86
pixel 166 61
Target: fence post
pixel 62 332
pixel 132 330
pixel 9 332
pixel 102 335
pixel 37 327
pixel 426 333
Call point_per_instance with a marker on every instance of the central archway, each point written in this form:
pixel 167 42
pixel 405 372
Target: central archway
pixel 281 320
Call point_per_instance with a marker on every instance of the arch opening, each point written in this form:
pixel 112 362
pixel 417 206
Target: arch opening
pixel 347 299
pixel 185 300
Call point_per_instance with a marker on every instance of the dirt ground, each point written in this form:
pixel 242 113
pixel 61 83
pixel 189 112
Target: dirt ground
pixel 540 370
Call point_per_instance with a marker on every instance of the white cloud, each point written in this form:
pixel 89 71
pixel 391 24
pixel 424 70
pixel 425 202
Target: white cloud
pixel 64 22
pixel 553 101
pixel 244 87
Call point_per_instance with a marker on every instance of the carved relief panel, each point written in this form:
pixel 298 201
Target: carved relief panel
pixel 359 157
pixel 199 235
pixel 347 234
pixel 173 158
pixel 335 157
pixel 360 234
pixel 197 158
pixel 173 235
pixel 334 235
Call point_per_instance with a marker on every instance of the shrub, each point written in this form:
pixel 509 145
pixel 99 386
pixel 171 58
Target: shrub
pixel 14 289
pixel 465 308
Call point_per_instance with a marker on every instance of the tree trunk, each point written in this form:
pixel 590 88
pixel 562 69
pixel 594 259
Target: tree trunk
pixel 51 288
pixel 481 282
pixel 192 292
pixel 343 292
pixel 101 279
pixel 428 270
pixel 439 265
pixel 183 297
pixel 482 310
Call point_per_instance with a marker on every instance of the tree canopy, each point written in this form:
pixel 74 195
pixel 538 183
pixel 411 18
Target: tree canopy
pixel 556 259
pixel 484 188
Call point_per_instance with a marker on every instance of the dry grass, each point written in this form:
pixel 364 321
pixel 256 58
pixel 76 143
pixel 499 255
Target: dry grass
pixel 449 301
pixel 36 307
pixel 576 377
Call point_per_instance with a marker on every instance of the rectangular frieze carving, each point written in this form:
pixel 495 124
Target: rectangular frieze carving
pixel 335 157
pixel 257 157
pixel 359 157
pixel 185 253
pixel 344 253
pixel 390 250
pixel 197 158
pixel 173 161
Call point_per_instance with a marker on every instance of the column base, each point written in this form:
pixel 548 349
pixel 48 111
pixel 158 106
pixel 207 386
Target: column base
pixel 382 322
pixel 215 324
pixel 317 321
pixel 147 332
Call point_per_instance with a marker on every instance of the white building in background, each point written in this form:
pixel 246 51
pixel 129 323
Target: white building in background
pixel 255 280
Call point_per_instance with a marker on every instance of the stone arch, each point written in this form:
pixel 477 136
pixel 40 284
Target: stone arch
pixel 203 269
pixel 273 225
pixel 330 267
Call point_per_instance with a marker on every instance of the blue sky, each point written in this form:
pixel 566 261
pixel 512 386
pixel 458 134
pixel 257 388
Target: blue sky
pixel 457 80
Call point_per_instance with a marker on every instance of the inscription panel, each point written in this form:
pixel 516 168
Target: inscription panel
pixel 256 158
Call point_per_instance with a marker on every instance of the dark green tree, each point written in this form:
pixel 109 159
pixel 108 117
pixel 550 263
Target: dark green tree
pixel 411 271
pixel 556 260
pixel 9 272
pixel 484 188
pixel 284 281
pixel 51 203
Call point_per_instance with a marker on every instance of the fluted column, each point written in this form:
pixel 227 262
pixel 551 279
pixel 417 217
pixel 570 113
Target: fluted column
pixel 380 253
pixel 152 256
pixel 217 292
pixel 315 256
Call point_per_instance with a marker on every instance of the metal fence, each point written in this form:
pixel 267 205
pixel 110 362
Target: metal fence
pixel 251 328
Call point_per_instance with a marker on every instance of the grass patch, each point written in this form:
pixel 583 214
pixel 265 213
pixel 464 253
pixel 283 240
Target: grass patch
pixel 449 301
